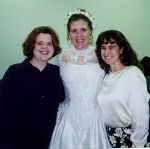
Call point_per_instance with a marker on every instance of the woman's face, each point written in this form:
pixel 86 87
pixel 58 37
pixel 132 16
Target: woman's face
pixel 80 34
pixel 110 53
pixel 44 49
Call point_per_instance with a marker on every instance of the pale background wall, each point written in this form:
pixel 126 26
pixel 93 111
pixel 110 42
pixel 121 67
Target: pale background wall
pixel 19 17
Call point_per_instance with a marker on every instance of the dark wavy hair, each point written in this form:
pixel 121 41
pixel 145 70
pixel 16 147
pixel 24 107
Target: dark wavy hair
pixel 145 62
pixel 29 43
pixel 128 56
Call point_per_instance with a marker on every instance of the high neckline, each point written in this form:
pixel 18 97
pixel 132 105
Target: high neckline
pixel 82 52
pixel 86 54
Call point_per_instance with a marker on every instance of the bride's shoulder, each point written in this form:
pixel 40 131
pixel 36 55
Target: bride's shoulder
pixel 66 51
pixel 65 54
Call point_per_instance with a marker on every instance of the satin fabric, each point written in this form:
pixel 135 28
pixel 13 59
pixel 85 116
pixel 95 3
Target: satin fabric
pixel 64 136
pixel 123 99
pixel 79 122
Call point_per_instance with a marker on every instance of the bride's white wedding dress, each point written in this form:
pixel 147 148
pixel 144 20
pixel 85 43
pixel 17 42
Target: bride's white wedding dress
pixel 79 122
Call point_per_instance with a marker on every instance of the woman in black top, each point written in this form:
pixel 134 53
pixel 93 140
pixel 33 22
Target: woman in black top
pixel 32 91
pixel 145 61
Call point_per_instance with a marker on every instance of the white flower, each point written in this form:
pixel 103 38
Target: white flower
pixel 112 139
pixel 83 12
pixel 121 141
pixel 127 131
pixel 124 146
pixel 118 132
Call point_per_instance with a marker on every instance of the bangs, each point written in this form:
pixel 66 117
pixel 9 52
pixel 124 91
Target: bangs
pixel 108 40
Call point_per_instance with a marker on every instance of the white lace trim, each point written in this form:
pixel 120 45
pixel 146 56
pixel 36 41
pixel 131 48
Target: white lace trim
pixel 86 54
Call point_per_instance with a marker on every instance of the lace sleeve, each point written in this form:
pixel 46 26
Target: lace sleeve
pixel 59 59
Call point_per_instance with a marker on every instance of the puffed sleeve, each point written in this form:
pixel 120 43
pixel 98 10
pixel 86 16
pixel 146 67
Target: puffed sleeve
pixel 139 107
pixel 60 58
pixel 59 61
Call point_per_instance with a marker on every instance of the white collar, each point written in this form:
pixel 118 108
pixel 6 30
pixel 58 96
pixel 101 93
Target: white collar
pixel 86 54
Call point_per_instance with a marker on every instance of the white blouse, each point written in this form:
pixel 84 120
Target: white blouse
pixel 123 99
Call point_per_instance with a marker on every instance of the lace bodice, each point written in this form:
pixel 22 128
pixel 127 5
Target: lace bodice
pixel 81 75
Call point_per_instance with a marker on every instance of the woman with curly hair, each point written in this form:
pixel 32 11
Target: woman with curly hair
pixel 123 96
pixel 32 91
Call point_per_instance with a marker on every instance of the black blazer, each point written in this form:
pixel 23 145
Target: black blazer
pixel 30 100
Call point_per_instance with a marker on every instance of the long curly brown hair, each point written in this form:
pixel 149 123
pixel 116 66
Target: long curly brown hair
pixel 128 56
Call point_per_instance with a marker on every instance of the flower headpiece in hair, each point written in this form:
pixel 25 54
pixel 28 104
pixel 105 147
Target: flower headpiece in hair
pixel 83 12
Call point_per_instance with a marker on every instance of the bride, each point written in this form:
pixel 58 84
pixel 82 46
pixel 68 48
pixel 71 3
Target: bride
pixel 79 122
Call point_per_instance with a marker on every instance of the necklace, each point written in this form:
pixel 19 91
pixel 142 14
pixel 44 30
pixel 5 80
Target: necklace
pixel 86 54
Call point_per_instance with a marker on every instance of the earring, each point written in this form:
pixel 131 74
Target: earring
pixel 69 40
pixel 91 39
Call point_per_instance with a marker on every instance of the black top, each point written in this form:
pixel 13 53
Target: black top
pixel 30 104
pixel 148 83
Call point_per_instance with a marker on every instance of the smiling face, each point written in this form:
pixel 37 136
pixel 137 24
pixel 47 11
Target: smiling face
pixel 111 53
pixel 44 49
pixel 80 34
